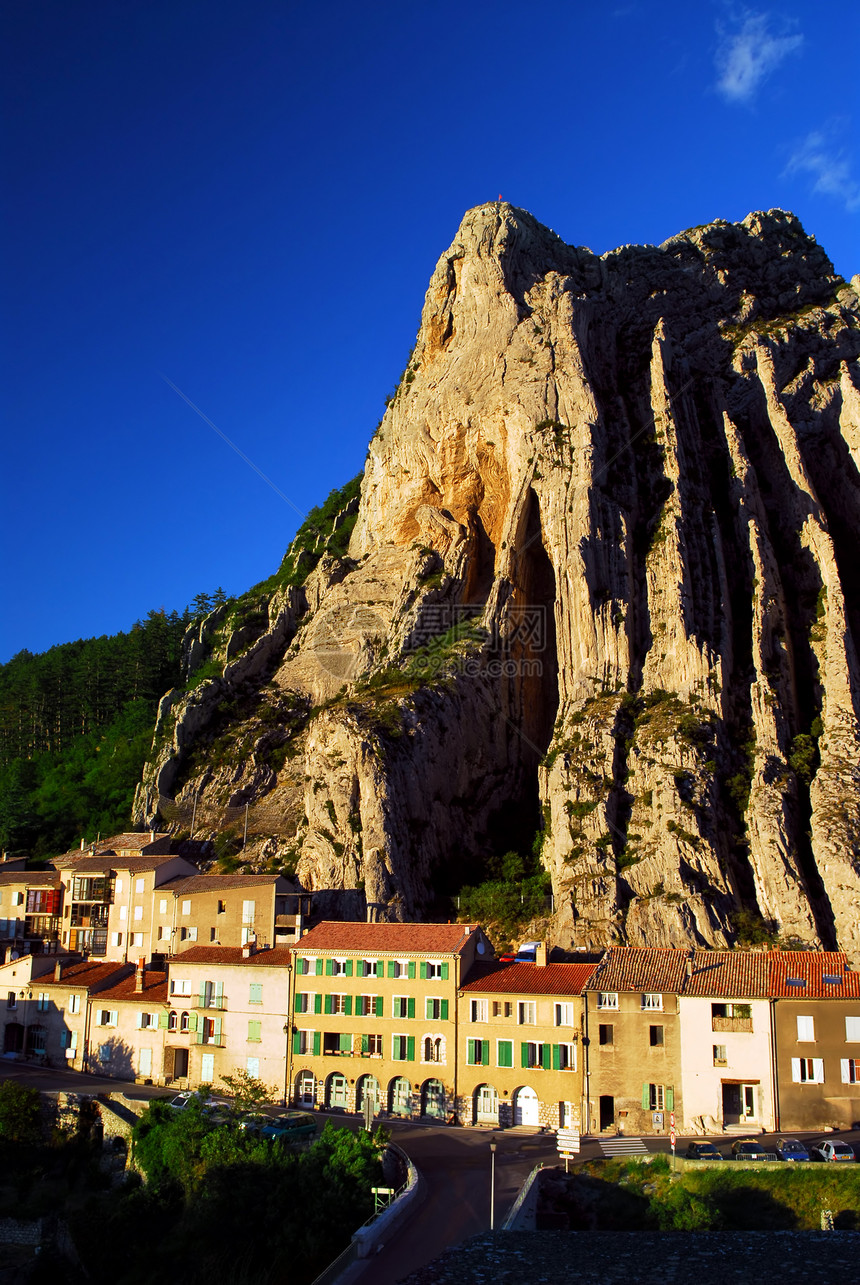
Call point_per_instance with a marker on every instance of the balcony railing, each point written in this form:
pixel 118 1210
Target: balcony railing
pixel 731 1023
pixel 217 1002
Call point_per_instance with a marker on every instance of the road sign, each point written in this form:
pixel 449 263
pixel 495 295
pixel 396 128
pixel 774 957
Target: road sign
pixel 567 1140
pixel 672 1119
pixel 672 1138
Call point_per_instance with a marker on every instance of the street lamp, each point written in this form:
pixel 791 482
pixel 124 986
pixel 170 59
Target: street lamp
pixel 287 1064
pixel 492 1185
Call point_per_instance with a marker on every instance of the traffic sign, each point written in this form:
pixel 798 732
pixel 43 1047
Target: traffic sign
pixel 672 1119
pixel 567 1140
pixel 672 1138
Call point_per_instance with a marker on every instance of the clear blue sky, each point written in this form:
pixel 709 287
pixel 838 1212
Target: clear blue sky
pixel 249 198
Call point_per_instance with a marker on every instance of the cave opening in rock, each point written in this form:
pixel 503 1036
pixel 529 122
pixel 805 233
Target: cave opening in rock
pixel 534 655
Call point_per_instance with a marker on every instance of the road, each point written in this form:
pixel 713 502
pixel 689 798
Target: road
pixel 455 1165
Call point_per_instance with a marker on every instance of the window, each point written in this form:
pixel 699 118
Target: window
pixel 504 1052
pixel 74 1004
pixel 720 1055
pixel 656 1097
pixel 432 1049
pixel 11 1000
pixel 400 968
pixel 807 1070
pixel 652 1001
pixel 805 1029
pixel 564 1015
pixel 478 1053
pixel 192 933
pixel 402 1006
pixel 116 939
pixel 252 1066
pixel 478 1010
pixel 337 1004
pixel 17 898
pixel 43 999
pixel 302 1002
pixel 184 1024
pixel 118 886
pixel 306 1042
pixel 138 913
pixel 255 1032
pixel 526 1012
pixel 370 968
pixel 69 1042
pixel 850 1070
pixel 368 1005
pixel 180 986
pixel 533 1053
pixel 852 1029
pixel 436 1010
pixel 403 1048
pixel 163 932
pixel 655 1037
pixel 605 1035
pixel 138 885
pixel 564 1057
pixel 432 970
pixel 171 1020
pixel 147 1021
pixel 123 912
pixel 374 1045
pixel 337 968
pixel 107 1017
pixel 185 908
pixel 502 1008
pixel 212 934
pixel 104 1052
pixel 607 999
pixel 162 906
pixel 136 939
pixel 255 993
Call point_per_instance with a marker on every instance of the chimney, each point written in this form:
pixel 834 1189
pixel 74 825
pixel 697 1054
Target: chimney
pixel 688 967
pixel 152 836
pixel 540 954
pixel 58 971
pixel 139 974
pixel 82 845
pixel 249 948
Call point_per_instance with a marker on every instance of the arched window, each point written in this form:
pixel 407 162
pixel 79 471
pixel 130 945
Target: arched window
pixel 171 1021
pixel 183 1022
pixel 433 1048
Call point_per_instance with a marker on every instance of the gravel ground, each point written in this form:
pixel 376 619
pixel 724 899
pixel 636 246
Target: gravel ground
pixel 607 1257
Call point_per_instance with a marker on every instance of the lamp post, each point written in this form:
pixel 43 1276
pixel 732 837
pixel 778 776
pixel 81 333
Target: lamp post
pixel 492 1186
pixel 287 1064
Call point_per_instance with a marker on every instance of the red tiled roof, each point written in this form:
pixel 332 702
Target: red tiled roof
pixel 528 979
pixel 131 839
pixel 811 968
pixel 276 956
pixel 212 883
pixel 154 989
pixel 87 864
pixel 652 970
pixel 729 974
pixel 86 973
pixel 386 939
pixel 31 878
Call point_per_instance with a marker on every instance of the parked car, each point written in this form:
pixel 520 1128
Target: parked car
pixel 209 1105
pixel 290 1126
pixel 748 1149
pixel 254 1121
pixel 835 1151
pixel 702 1151
pixel 791 1149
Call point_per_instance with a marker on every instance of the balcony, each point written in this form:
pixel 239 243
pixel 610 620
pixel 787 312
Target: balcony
pixel 216 1002
pixel 731 1023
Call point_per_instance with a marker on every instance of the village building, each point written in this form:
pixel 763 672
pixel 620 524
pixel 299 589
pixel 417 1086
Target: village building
pixel 633 1029
pixel 520 1057
pixel 31 903
pixel 46 1007
pixel 726 1047
pixel 375 1015
pixel 128 1021
pixel 226 910
pixel 816 1017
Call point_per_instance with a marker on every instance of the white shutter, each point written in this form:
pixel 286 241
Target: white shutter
pixel 818 1070
pixel 846 1070
pixel 805 1028
pixel 852 1029
pixel 795 1070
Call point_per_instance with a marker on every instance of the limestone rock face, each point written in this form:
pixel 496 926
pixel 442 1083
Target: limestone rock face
pixel 603 580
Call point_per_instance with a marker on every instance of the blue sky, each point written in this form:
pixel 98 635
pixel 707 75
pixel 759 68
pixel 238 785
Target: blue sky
pixel 249 198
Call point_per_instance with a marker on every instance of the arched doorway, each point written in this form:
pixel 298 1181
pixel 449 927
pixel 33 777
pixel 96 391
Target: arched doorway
pixel 337 1091
pixel 433 1099
pixel 13 1037
pixel 526 1107
pixel 306 1089
pixel 400 1096
pixel 486 1105
pixel 367 1087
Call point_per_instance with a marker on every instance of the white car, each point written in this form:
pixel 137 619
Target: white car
pixel 833 1151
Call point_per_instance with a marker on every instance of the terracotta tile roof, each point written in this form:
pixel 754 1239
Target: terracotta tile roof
pixel 729 974
pixel 31 878
pixel 86 973
pixel 812 968
pixel 154 989
pixel 277 956
pixel 212 883
pixel 386 939
pixel 84 863
pixel 651 970
pixel 132 839
pixel 528 979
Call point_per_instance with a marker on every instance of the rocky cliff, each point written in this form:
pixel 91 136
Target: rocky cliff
pixel 603 581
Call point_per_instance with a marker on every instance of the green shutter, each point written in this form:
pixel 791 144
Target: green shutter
pixel 347 1005
pixel 506 1053
pixel 297 1041
pixel 316 1043
pixel 345 1042
pixel 646 1096
pixel 201 1032
pixel 444 972
pixel 319 964
pixel 546 1056
pixel 192 1021
pixel 202 994
pixel 428 1009
pixel 377 1002
pixel 444 1010
pixel 217 1031
pixel 255 1032
pixel 524 1055
pixel 410 1048
pixel 162 1021
pixel 219 994
pixel 411 970
pixel 328 1003
pixel 470 1058
pixel 670 1098
pixel 391 968
pixel 328 967
pixel 410 1007
pixel 424 970
pixel 556 1058
pixel 365 1043
pixel 318 1002
pixel 347 968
